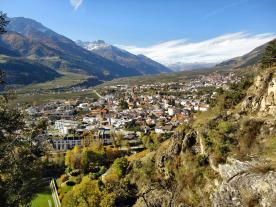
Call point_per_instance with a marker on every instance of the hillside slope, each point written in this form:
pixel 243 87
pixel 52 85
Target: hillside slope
pixel 227 160
pixel 250 59
pixel 31 40
pixel 20 71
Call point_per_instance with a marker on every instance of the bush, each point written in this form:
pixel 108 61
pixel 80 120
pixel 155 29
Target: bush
pixel 224 127
pixel 108 200
pixel 236 93
pixel 96 175
pixel 70 183
pixel 78 179
pixel 202 160
pixel 250 129
pixel 151 141
pixel 120 166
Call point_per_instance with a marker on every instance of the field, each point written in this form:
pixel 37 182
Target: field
pixel 42 199
pixel 44 98
pixel 67 80
pixel 164 78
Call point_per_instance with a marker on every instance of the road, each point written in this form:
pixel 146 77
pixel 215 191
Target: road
pixel 97 93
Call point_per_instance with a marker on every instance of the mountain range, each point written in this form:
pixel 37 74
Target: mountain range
pixel 33 53
pixel 179 66
pixel 141 63
pixel 28 41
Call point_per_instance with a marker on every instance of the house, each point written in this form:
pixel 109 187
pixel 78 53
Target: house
pixel 90 120
pixel 159 130
pixel 104 134
pixel 32 111
pixel 171 111
pixel 66 143
pixel 66 126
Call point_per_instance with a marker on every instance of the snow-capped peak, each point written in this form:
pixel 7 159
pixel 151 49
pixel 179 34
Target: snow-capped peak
pixel 99 44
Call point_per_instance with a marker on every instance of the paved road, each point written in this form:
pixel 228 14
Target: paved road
pixel 97 94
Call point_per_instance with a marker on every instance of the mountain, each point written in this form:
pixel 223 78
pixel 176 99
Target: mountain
pixel 190 66
pixel 249 59
pixel 141 63
pixel 20 71
pixel 31 40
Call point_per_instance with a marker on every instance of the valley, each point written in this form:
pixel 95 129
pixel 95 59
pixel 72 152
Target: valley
pixel 147 118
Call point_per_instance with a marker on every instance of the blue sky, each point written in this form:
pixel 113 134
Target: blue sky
pixel 146 23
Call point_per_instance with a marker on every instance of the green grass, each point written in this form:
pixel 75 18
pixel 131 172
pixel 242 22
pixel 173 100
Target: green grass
pixel 67 80
pixel 44 98
pixel 41 199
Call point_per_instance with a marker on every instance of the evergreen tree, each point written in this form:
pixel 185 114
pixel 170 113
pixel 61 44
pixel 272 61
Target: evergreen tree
pixel 19 154
pixel 269 57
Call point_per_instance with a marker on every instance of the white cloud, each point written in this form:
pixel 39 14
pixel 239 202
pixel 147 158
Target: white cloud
pixel 76 3
pixel 209 51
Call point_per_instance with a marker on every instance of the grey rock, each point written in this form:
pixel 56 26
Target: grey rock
pixel 243 184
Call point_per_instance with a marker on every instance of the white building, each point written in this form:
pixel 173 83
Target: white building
pixel 66 143
pixel 171 111
pixel 91 120
pixel 66 126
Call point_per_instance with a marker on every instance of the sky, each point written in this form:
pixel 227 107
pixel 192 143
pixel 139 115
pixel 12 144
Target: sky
pixel 166 30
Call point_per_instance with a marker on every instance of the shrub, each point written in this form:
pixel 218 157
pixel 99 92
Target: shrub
pixel 224 127
pixel 70 183
pixel 78 179
pixel 202 160
pixel 120 166
pixel 250 129
pixel 237 92
pixel 108 200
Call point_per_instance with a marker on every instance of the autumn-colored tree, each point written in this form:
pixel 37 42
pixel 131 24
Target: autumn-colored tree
pixel 108 200
pixel 88 138
pixel 85 194
pixel 151 141
pixel 120 166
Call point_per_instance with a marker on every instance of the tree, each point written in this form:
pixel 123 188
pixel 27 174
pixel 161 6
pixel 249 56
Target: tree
pixel 85 194
pixel 88 138
pixel 123 104
pixel 20 162
pixel 269 57
pixel 120 166
pixel 20 151
pixel 108 200
pixel 151 141
pixel 3 23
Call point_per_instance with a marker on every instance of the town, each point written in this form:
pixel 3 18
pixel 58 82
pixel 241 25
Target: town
pixel 125 113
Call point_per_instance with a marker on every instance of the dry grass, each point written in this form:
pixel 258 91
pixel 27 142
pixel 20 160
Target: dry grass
pixel 138 155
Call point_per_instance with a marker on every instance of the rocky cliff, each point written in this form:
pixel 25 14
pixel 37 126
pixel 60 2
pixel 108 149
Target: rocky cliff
pixel 228 162
pixel 261 96
pixel 248 183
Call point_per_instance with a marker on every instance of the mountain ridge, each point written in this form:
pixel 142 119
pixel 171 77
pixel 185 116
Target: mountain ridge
pixel 143 64
pixel 30 41
pixel 250 59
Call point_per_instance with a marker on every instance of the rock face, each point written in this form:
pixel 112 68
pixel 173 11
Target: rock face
pixel 245 184
pixel 261 97
pixel 179 144
pixel 163 193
